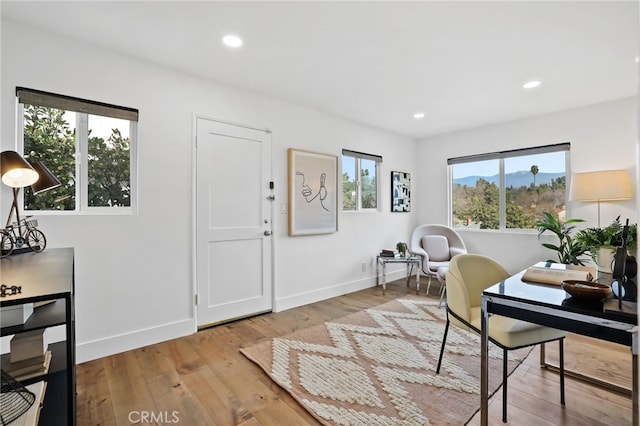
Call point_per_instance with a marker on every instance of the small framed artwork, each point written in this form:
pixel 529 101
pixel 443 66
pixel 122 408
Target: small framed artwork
pixel 313 192
pixel 400 192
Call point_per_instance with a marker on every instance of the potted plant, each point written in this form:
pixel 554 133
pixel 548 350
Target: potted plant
pixel 569 250
pixel 601 242
pixel 402 248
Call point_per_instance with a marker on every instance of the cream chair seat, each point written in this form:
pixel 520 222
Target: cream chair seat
pixel 468 276
pixel 437 245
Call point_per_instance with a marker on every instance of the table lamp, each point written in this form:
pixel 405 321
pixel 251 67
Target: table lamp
pixel 16 173
pixel 604 185
pixel 46 179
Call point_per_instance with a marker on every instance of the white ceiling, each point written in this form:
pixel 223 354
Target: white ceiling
pixel 461 63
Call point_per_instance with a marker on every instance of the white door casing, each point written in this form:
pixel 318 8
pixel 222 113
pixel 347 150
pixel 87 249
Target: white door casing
pixel 233 221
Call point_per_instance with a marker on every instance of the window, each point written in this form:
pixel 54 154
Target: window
pixel 509 189
pixel 89 146
pixel 359 180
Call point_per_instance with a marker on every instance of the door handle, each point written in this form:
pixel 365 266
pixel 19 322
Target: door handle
pixel 267 233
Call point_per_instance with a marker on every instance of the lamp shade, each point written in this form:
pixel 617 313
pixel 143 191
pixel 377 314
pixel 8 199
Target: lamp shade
pixel 605 185
pixel 16 171
pixel 46 179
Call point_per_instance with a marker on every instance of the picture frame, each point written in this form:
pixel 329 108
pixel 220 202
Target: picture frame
pixel 400 192
pixel 312 192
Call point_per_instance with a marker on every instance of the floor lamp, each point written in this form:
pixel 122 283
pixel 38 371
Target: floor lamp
pixel 604 185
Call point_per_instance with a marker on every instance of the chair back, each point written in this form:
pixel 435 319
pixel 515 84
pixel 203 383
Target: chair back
pixel 468 276
pixel 436 243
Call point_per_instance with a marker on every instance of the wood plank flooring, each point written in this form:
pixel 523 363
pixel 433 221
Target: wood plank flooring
pixel 203 379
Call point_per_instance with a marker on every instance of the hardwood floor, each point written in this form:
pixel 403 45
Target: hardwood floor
pixel 203 379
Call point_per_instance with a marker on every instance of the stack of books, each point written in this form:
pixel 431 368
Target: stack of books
pixel 388 253
pixel 28 356
pixel 28 368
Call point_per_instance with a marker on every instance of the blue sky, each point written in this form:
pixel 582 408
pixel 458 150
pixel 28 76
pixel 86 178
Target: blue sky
pixel 553 162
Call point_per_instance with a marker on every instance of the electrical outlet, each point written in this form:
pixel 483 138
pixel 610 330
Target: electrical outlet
pixel 364 266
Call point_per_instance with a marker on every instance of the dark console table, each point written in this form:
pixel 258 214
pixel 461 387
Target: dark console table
pixel 47 276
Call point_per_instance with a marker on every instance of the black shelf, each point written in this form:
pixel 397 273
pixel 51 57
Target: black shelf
pixel 49 315
pixel 44 277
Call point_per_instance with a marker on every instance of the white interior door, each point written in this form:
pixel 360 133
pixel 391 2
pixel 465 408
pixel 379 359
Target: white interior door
pixel 233 222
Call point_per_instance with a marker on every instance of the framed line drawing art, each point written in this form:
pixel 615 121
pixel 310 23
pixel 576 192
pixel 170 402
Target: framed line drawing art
pixel 400 192
pixel 313 192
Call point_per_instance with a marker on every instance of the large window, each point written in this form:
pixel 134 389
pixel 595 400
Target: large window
pixel 359 180
pixel 89 146
pixel 509 189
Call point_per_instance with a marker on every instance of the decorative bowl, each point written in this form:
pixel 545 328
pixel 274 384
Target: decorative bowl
pixel 587 290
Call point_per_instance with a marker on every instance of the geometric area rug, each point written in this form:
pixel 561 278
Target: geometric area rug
pixel 377 367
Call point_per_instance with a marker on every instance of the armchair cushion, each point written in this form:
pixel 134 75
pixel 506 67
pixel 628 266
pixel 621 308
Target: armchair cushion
pixel 437 246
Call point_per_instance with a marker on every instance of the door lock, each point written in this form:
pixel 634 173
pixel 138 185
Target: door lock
pixel 267 233
pixel 271 197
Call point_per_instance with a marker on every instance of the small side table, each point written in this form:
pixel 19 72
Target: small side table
pixel 408 260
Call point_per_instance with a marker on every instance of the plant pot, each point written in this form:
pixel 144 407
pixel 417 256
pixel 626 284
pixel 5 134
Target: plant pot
pixel 604 257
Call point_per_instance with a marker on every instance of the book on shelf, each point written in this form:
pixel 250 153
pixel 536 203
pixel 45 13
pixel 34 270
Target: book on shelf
pixel 29 368
pixel 556 273
pixel 388 253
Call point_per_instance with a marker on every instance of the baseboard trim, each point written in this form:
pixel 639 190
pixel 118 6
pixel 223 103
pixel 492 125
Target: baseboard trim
pixel 318 295
pixel 94 349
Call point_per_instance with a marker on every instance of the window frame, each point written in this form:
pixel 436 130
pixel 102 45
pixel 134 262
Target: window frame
pixel 82 150
pixel 358 157
pixel 502 199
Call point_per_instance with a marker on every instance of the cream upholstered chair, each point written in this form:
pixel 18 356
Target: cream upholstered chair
pixel 436 244
pixel 468 276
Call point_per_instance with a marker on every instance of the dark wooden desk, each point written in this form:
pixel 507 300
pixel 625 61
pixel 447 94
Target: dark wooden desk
pixel 551 306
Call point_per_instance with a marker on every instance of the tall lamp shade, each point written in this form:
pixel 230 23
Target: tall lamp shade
pixel 16 171
pixel 604 185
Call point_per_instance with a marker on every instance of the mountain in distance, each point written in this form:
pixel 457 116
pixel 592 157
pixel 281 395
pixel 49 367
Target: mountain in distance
pixel 515 179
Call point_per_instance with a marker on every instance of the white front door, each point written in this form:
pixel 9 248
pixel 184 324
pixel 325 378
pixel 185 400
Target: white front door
pixel 233 221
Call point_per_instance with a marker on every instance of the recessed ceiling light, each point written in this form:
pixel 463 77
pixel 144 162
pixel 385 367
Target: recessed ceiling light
pixel 418 115
pixel 232 40
pixel 531 84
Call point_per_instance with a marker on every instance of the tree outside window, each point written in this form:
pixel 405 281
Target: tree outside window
pixel 532 180
pixel 359 181
pixel 91 154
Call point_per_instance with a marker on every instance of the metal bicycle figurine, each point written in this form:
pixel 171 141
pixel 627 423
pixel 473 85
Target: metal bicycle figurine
pixel 21 233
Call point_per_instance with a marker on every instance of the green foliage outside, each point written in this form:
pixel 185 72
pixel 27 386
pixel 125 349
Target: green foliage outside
pixel 479 206
pixel 348 192
pixel 368 190
pixel 49 138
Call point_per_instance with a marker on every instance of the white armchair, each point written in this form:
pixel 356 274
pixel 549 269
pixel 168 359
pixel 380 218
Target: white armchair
pixel 437 245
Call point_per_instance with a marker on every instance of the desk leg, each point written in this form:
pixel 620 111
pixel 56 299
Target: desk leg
pixel 484 365
pixel 377 271
pixel 417 278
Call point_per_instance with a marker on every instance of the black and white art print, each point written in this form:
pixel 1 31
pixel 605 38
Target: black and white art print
pixel 400 192
pixel 313 187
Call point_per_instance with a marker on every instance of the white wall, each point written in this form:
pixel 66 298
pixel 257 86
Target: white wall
pixel 134 277
pixel 602 137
